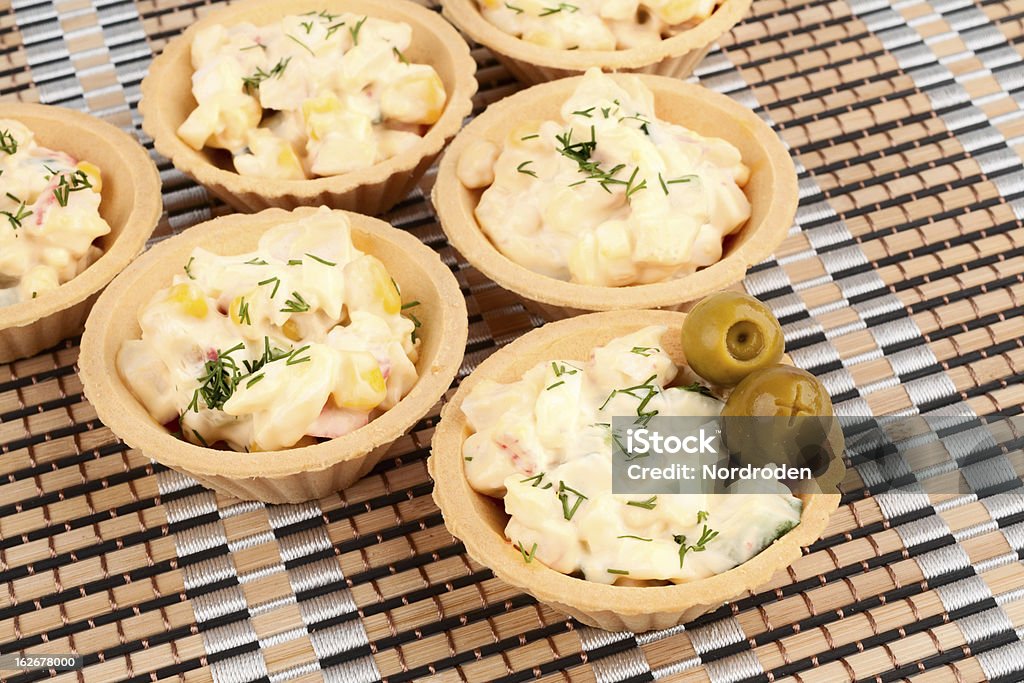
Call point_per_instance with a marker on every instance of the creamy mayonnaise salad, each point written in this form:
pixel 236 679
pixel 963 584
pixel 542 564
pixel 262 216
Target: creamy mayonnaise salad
pixel 608 194
pixel 302 339
pixel 595 24
pixel 49 215
pixel 315 94
pixel 543 444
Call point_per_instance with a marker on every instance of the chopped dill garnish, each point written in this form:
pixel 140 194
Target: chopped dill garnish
pixel 648 504
pixel 527 557
pixel 275 280
pixel 354 30
pixel 522 168
pixel 295 305
pixel 323 261
pixel 8 143
pixel 253 82
pixel 563 495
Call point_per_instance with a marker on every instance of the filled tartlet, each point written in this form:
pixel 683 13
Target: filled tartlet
pixel 340 102
pixel 78 199
pixel 522 462
pixel 51 202
pixel 607 193
pixel 275 356
pixel 630 192
pixel 538 40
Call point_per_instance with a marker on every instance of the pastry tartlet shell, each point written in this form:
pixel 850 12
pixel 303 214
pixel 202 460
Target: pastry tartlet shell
pixel 479 521
pixel 167 101
pixel 771 190
pixel 295 474
pixel 131 204
pixel 676 56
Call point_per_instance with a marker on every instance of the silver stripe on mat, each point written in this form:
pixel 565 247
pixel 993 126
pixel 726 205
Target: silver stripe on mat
pixel 48 57
pixel 915 56
pixel 227 600
pixel 334 640
pixel 617 667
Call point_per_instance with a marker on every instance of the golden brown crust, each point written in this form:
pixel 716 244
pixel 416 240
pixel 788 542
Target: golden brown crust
pixel 479 521
pixel 294 474
pixel 167 100
pixel 131 204
pixel 772 191
pixel 676 56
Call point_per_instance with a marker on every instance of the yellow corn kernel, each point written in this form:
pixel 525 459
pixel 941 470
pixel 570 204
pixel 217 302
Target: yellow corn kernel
pixel 418 97
pixel 236 310
pixel 291 330
pixel 189 299
pixel 361 382
pixel 321 114
pixel 93 171
pixel 384 288
pixel 491 4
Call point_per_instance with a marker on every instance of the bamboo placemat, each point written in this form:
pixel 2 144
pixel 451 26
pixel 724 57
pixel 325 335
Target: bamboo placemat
pixel 901 284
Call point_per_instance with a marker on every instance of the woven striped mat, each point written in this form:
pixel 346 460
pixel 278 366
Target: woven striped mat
pixel 901 284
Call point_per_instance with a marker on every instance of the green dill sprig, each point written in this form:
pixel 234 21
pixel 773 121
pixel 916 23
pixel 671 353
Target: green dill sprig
pixel 320 260
pixel 188 268
pixel 401 57
pixel 220 377
pixel 300 43
pixel 632 188
pixel 296 304
pixel 563 369
pixel 621 572
pixel 563 495
pixel 8 143
pixel 534 481
pixel 522 168
pixel 645 351
pixel 78 181
pixel 707 535
pixel 18 215
pixel 562 6
pixel 295 357
pixel 416 324
pixel 527 557
pixel 243 312
pixel 354 30
pixel 643 393
pixel 648 504
pixel 698 388
pixel 585 112
pixel 276 281
pixel 256 262
pixel 636 538
pixel 517 10
pixel 253 82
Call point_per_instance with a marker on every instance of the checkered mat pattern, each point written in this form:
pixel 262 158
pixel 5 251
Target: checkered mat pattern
pixel 901 284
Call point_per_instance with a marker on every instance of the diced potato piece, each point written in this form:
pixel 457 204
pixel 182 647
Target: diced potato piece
pixel 360 382
pixel 417 97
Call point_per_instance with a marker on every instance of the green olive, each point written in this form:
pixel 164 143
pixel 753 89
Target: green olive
pixel 779 391
pixel 779 414
pixel 729 335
